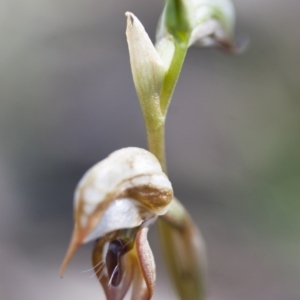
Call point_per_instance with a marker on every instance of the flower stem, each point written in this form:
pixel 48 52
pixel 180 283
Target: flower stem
pixel 176 224
pixel 156 144
pixel 156 137
pixel 172 76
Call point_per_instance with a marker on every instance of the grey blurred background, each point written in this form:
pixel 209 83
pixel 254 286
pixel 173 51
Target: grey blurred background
pixel 233 143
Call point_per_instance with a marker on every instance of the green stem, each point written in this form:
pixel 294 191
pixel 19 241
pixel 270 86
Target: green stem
pixel 156 137
pixel 172 76
pixel 156 144
pixel 176 225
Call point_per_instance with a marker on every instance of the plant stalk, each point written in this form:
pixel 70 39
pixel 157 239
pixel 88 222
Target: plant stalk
pixel 156 137
pixel 156 144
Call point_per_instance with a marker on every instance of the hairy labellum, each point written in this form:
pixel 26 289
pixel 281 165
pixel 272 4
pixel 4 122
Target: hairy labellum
pixel 114 257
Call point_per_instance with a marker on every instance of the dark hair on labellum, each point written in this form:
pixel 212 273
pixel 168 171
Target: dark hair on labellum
pixel 116 249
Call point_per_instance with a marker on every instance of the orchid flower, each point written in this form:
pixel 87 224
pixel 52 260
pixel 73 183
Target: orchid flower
pixel 114 204
pixel 119 198
pixel 155 69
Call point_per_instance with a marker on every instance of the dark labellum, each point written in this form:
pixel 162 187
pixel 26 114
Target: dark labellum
pixel 116 249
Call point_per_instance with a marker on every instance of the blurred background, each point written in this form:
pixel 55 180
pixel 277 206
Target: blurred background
pixel 233 143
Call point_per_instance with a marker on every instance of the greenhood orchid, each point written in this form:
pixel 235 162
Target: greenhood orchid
pixel 119 198
pixel 114 204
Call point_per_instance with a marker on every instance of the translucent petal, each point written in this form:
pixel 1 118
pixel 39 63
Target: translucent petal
pixel 121 214
pixel 122 191
pixel 211 22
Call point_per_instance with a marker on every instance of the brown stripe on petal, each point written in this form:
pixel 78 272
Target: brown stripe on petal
pixel 156 198
pixel 153 198
pixel 127 173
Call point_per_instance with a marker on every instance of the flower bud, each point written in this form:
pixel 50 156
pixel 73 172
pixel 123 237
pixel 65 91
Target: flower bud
pixel 199 22
pixel 215 20
pixel 179 19
pixel 147 69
